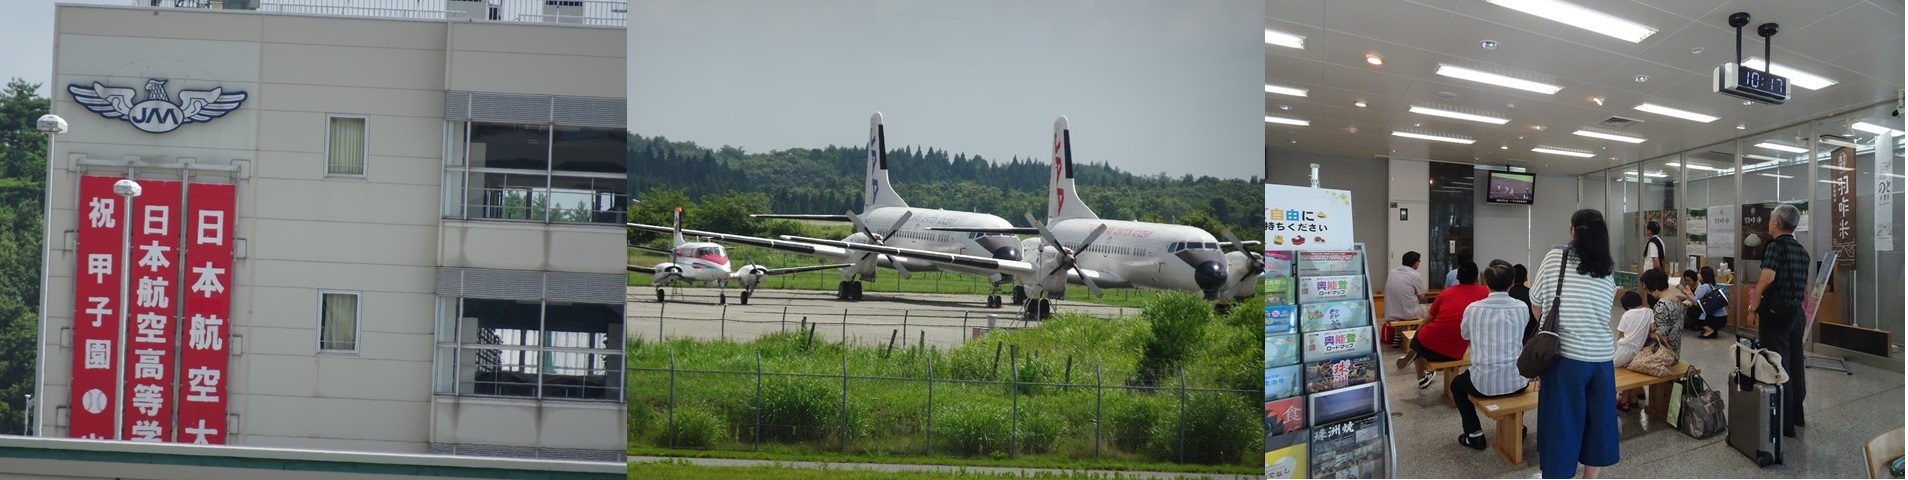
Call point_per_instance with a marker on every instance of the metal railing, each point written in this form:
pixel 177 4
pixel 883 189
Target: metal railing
pixel 1023 407
pixel 614 13
pixel 535 204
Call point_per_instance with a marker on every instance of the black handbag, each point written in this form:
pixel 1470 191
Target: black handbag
pixel 1714 301
pixel 1543 350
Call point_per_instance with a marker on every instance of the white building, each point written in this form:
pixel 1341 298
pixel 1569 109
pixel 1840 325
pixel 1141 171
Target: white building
pixel 427 237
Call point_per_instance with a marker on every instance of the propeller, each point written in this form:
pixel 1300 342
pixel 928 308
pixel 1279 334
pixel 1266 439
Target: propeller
pixel 881 240
pixel 1065 257
pixel 1258 259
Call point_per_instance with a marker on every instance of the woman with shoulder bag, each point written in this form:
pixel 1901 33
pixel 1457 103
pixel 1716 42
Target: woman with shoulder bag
pixel 1714 303
pixel 1576 401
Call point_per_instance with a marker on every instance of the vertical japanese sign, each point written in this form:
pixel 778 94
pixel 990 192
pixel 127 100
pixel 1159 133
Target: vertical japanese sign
pixel 1885 193
pixel 1842 206
pixel 96 310
pixel 149 329
pixel 208 306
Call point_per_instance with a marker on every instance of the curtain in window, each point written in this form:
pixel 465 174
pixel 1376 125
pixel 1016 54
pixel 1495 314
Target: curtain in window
pixel 340 329
pixel 347 147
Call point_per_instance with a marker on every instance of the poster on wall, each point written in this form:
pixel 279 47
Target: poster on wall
pixel 1722 228
pixel 1755 226
pixel 1332 288
pixel 1338 343
pixel 1885 182
pixel 208 306
pixel 1665 219
pixel 150 340
pixel 92 403
pixel 1300 218
pixel 1842 231
pixel 1696 231
pixel 1317 316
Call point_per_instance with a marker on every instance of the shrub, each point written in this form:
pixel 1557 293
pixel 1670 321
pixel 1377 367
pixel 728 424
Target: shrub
pixel 1131 420
pixel 1219 428
pixel 696 428
pixel 1233 357
pixel 971 428
pixel 975 360
pixel 799 408
pixel 1038 431
pixel 1177 323
pixel 640 417
pixel 1032 371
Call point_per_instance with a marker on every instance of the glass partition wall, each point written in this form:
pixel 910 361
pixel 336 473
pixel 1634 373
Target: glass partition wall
pixel 1712 205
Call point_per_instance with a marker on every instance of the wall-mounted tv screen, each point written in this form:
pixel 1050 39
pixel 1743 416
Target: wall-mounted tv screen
pixel 1511 187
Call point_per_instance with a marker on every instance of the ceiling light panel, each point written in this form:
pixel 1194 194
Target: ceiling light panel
pixel 1287 121
pixel 1875 129
pixel 1562 151
pixel 1671 112
pixel 1274 37
pixel 1458 115
pixel 1438 138
pixel 1606 136
pixel 1498 80
pixel 1296 92
pixel 1796 77
pixel 1782 148
pixel 1584 18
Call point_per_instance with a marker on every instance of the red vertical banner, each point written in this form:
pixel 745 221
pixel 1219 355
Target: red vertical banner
pixel 147 397
pixel 96 309
pixel 210 212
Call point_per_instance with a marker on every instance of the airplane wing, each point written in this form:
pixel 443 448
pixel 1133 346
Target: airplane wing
pixel 642 270
pixel 824 251
pixel 1012 230
pixel 982 263
pixel 798 216
pixel 810 268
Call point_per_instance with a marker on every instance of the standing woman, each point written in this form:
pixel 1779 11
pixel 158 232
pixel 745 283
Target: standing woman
pixel 1576 400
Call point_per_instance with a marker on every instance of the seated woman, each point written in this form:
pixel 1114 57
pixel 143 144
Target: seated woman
pixel 1712 321
pixel 1668 324
pixel 1494 327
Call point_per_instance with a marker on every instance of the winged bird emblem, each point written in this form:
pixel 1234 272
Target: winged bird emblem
pixel 157 113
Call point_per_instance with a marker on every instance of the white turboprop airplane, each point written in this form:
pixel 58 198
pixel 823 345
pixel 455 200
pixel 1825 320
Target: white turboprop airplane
pixel 1079 247
pixel 706 263
pixel 912 228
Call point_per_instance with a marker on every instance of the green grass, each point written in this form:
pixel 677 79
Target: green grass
pixel 976 410
pixel 679 469
pixel 888 281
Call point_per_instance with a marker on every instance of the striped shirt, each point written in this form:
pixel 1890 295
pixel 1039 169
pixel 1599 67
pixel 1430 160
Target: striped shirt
pixel 1495 328
pixel 1583 322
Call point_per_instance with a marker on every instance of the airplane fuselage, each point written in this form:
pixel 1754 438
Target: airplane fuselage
pixel 915 234
pixel 1142 254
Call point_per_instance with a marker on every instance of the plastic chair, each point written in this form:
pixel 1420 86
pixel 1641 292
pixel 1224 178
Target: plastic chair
pixel 1880 451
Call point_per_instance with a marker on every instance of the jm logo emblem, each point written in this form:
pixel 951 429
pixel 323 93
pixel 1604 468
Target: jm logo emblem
pixel 157 113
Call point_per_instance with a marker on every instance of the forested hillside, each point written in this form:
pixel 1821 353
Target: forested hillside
pixel 828 181
pixel 22 173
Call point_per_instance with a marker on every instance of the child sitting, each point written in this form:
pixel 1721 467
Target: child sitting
pixel 1632 330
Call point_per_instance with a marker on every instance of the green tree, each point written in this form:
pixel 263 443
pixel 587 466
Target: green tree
pixel 22 179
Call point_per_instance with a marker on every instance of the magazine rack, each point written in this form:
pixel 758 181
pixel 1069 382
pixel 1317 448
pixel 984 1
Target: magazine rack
pixel 1326 414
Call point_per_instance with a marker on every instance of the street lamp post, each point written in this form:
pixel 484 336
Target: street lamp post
pixel 52 126
pixel 127 188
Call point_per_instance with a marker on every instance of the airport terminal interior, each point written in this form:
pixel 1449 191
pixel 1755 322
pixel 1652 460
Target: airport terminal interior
pixel 1472 130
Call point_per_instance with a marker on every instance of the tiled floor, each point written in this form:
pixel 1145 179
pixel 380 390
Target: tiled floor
pixel 1843 412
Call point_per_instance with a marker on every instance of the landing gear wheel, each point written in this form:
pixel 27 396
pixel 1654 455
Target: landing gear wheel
pixel 659 295
pixel 1044 310
pixel 993 301
pixel 854 291
pixel 722 299
pixel 841 291
pixel 745 298
pixel 1020 295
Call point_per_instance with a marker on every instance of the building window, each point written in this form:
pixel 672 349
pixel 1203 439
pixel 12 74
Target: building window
pixel 515 348
pixel 544 173
pixel 344 146
pixel 338 321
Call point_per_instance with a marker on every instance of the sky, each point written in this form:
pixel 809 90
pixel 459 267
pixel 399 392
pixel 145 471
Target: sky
pixel 1147 86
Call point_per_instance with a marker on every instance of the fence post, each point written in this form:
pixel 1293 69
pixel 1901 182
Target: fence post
pixel 724 329
pixel 844 402
pixel 930 404
pixel 1013 420
pixel 1182 414
pixel 1098 391
pixel 964 327
pixel 785 319
pixel 892 334
pixel 672 397
pixel 996 373
pixel 844 329
pixel 758 400
pixel 662 312
pixel 904 322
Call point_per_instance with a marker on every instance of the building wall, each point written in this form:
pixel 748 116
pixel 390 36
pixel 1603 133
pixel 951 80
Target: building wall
pixel 300 231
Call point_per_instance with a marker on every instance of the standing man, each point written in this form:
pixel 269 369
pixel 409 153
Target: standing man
pixel 1653 247
pixel 1778 307
pixel 1403 287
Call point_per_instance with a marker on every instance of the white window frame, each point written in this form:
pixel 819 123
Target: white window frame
pixel 357 326
pixel 364 156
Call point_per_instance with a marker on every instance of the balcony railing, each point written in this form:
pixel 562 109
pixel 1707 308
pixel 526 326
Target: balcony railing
pixel 575 12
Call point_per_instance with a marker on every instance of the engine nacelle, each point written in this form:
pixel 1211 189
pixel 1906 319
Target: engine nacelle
pixel 751 275
pixel 1242 279
pixel 665 273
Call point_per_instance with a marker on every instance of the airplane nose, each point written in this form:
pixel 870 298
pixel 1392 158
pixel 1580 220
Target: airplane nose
pixel 1007 253
pixel 1209 275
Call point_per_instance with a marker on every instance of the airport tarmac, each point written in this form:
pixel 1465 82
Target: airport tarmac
pixel 946 320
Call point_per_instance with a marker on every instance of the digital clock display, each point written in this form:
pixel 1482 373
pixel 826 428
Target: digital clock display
pixel 1762 82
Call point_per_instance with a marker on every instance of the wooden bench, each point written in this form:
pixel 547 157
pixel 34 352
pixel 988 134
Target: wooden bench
pixel 1448 370
pixel 1508 412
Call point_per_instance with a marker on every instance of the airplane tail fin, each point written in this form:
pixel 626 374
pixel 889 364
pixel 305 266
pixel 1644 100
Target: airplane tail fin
pixel 879 191
pixel 677 226
pixel 1063 199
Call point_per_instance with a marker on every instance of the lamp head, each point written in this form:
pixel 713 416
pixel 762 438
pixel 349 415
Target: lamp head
pixel 126 188
pixel 51 124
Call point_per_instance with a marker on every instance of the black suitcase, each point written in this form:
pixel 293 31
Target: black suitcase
pixel 1755 419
